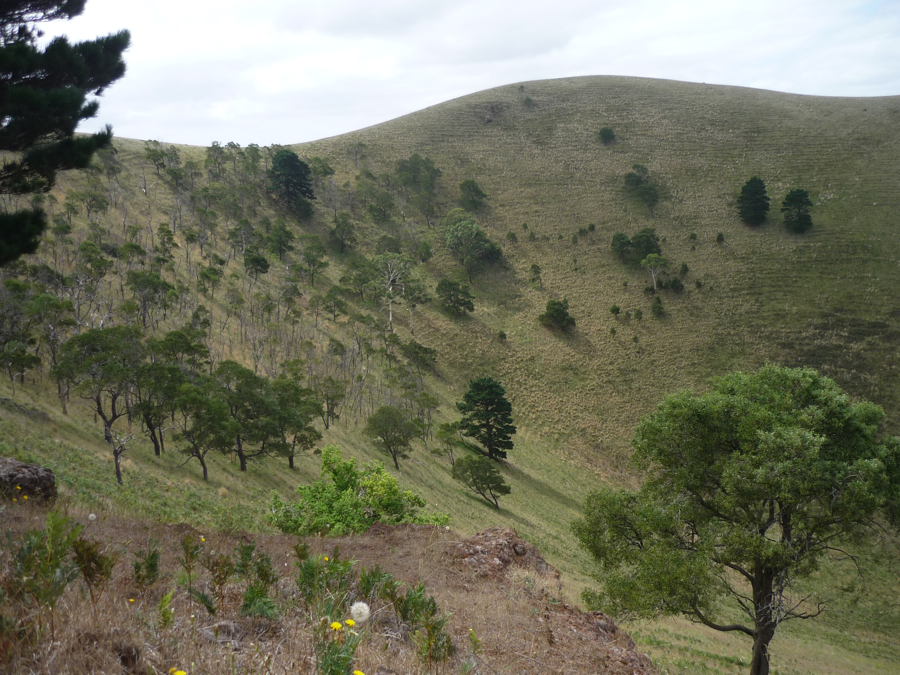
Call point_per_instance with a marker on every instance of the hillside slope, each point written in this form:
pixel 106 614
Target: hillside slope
pixel 824 299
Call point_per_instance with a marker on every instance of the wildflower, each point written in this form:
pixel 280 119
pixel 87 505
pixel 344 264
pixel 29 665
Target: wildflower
pixel 203 539
pixel 15 500
pixel 24 498
pixel 336 626
pixel 326 558
pixel 358 672
pixel 350 622
pixel 130 599
pixel 359 611
pixel 18 487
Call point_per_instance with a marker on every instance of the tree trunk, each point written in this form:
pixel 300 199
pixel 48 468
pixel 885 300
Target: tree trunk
pixel 763 601
pixel 290 461
pixel 117 457
pixel 203 464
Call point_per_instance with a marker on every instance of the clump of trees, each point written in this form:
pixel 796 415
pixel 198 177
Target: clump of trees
pixel 607 136
pixel 746 489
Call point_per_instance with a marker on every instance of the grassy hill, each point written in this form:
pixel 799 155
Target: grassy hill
pixel 824 299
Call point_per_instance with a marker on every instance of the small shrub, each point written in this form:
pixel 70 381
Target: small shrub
pixel 692 236
pixel 657 307
pixel 607 136
pixel 145 566
pixel 511 236
pixel 720 238
pixel 614 310
pixel 501 336
pixel 591 227
pixel 638 314
pixel 684 269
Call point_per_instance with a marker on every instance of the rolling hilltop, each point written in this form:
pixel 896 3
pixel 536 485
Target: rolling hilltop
pixel 555 198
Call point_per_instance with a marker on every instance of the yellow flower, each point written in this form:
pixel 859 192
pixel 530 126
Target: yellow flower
pixel 202 539
pixel 336 626
pixel 350 622
pixel 24 498
pixel 326 558
pixel 15 500
pixel 179 672
pixel 132 600
pixel 358 672
pixel 18 487
pixel 172 670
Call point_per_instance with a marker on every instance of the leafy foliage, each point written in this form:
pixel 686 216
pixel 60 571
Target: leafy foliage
pixel 482 477
pixel 347 499
pixel 795 207
pixel 747 488
pixel 455 298
pixel 471 196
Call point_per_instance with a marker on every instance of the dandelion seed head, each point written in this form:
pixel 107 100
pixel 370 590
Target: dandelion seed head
pixel 359 611
pixel 92 517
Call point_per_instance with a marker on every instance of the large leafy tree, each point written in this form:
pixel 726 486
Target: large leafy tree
pixel 43 97
pixel 795 207
pixel 101 366
pixel 747 488
pixel 392 431
pixel 487 416
pixel 482 477
pixel 753 202
pixel 290 179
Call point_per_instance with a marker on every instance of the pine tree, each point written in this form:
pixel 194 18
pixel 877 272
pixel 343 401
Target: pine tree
pixel 753 204
pixel 487 416
pixel 43 98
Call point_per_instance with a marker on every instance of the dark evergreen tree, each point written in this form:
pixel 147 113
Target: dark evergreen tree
pixel 795 208
pixel 487 416
pixel 753 204
pixel 557 315
pixel 43 97
pixel 290 180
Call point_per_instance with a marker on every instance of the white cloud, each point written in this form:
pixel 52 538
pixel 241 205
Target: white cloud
pixel 281 71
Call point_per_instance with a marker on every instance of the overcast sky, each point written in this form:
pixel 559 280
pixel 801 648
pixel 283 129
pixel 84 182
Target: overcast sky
pixel 287 71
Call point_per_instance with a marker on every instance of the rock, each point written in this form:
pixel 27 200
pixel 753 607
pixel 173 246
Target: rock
pixel 491 552
pixel 18 479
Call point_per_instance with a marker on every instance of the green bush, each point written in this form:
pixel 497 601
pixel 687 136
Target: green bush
pixel 347 500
